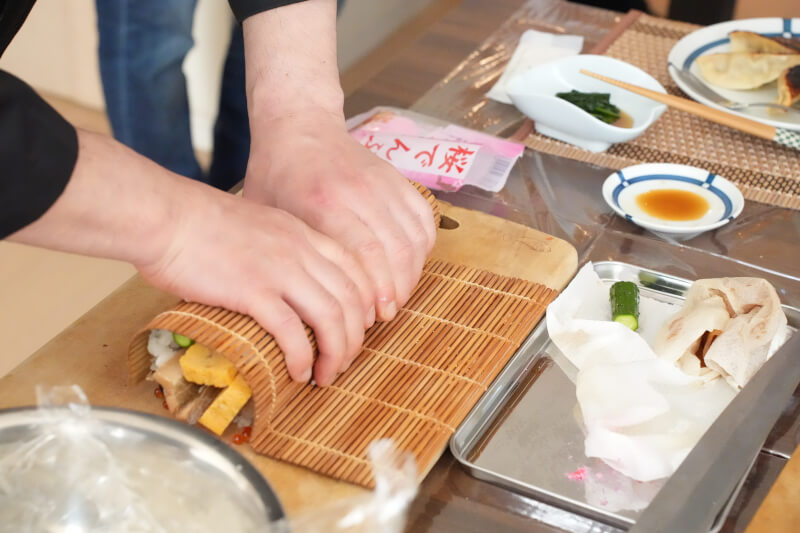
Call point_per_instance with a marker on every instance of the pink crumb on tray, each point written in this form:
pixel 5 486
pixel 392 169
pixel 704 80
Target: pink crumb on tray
pixel 578 475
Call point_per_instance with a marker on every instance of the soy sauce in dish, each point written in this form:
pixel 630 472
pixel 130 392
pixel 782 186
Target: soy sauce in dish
pixel 673 204
pixel 624 120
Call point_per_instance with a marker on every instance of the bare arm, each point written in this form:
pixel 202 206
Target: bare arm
pixel 103 214
pixel 303 160
pixel 291 61
pixel 211 247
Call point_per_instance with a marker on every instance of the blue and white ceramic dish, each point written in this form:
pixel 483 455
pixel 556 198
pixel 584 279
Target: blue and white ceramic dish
pixel 621 188
pixel 713 40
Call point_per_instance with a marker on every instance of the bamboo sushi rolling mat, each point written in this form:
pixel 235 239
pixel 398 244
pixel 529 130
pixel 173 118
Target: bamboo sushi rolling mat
pixel 414 381
pixel 763 170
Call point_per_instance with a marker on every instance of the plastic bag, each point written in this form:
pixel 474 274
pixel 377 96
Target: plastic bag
pixel 443 157
pixel 65 470
pixel 382 511
pixel 64 478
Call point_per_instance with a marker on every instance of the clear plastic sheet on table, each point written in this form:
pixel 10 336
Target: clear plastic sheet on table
pixel 562 197
pixel 459 97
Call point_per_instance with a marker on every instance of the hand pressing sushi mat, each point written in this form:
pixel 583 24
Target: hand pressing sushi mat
pixel 93 353
pixel 414 381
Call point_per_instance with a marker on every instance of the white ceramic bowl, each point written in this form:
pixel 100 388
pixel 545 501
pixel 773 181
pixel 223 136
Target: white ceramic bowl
pixel 534 93
pixel 621 188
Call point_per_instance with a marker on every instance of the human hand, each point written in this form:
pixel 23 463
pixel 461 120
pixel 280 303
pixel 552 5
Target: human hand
pixel 264 262
pixel 307 164
pixel 211 247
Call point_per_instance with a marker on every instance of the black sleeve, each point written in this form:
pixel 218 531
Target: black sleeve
pixel 244 8
pixel 38 150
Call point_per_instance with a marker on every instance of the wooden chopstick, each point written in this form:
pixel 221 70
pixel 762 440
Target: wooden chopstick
pixel 746 125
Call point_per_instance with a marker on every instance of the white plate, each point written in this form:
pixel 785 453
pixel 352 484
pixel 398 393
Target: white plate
pixel 714 39
pixel 621 188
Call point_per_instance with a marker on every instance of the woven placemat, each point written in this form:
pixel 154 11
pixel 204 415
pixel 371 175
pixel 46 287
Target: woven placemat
pixel 763 170
pixel 414 381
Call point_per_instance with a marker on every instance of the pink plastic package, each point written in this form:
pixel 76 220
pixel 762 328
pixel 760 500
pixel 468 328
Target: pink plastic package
pixel 444 158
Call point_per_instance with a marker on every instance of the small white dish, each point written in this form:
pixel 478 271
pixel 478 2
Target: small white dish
pixel 534 93
pixel 621 189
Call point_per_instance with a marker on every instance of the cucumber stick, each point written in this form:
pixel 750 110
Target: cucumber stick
pixel 182 341
pixel 624 298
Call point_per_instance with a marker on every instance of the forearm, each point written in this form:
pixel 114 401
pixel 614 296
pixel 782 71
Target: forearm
pixel 212 247
pixel 291 62
pixel 302 159
pixel 117 204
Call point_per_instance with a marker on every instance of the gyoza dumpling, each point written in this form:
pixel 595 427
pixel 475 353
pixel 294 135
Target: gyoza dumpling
pixel 744 70
pixel 789 86
pixel 748 41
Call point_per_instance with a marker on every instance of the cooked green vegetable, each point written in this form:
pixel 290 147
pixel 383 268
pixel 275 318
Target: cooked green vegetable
pixel 182 341
pixel 596 104
pixel 624 297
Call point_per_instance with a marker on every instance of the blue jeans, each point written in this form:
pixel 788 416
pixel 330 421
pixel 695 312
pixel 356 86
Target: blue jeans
pixel 142 47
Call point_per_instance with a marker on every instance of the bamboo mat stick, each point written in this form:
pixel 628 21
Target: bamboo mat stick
pixel 765 131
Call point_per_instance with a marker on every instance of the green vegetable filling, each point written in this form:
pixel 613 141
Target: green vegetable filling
pixel 596 104
pixel 182 341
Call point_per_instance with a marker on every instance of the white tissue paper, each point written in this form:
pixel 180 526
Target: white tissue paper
pixel 642 415
pixel 535 48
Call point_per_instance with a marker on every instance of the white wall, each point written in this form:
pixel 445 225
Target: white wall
pixel 213 22
pixel 56 50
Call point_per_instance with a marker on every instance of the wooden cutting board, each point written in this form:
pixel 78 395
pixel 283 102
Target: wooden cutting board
pixel 92 352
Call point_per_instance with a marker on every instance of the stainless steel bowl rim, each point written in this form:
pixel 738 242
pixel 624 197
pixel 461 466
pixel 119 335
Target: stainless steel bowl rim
pixel 167 429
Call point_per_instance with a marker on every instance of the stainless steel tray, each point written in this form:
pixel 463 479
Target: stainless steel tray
pixel 524 433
